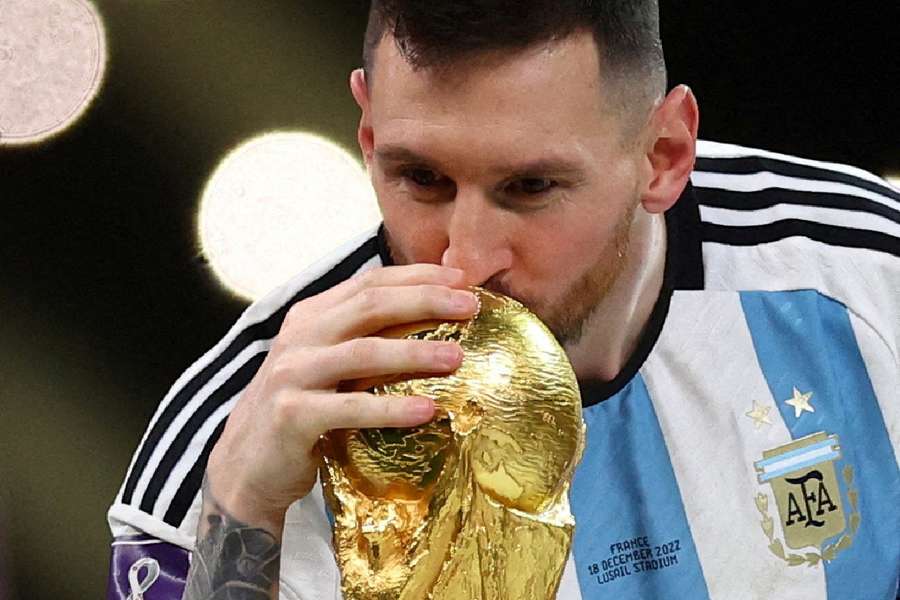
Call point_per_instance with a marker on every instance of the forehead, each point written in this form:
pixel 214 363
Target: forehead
pixel 550 92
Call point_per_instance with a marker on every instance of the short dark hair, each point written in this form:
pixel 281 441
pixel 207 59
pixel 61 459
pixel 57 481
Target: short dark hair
pixel 438 33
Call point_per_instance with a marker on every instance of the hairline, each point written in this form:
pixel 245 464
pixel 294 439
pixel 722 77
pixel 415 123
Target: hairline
pixel 619 96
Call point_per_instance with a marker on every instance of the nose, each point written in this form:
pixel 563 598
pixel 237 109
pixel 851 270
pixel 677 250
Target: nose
pixel 478 237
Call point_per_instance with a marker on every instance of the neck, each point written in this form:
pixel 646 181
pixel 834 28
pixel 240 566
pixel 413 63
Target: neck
pixel 612 332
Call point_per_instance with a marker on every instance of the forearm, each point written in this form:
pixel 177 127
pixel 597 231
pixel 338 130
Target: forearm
pixel 233 555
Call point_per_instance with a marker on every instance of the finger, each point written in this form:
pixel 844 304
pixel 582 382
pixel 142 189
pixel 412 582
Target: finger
pixel 325 367
pixel 361 410
pixel 394 275
pixel 414 274
pixel 376 308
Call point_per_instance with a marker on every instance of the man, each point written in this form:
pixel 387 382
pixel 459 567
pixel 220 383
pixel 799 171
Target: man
pixel 733 318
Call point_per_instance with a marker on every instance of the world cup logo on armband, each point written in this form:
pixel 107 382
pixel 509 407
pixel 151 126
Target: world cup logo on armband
pixel 474 505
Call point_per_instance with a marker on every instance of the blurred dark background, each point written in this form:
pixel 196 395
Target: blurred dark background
pixel 105 298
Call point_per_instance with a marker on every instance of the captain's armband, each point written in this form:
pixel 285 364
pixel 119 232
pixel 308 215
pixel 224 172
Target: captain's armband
pixel 145 568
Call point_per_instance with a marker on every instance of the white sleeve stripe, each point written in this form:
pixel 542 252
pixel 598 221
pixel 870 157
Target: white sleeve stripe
pixel 184 460
pixel 828 235
pixel 766 180
pixel 126 517
pixel 181 444
pixel 825 216
pixel 260 311
pixel 709 149
pixel 254 322
pixel 137 542
pixel 191 408
pixel 187 460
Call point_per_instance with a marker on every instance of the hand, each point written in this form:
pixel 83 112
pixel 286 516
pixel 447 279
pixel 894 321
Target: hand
pixel 265 459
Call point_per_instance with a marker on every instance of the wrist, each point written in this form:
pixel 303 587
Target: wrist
pixel 242 504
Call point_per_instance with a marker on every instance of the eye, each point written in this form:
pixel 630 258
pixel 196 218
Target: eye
pixel 423 177
pixel 531 185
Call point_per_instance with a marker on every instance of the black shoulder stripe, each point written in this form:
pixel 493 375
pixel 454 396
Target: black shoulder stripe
pixel 753 235
pixel 237 382
pixel 756 200
pixel 747 165
pixel 189 487
pixel 259 331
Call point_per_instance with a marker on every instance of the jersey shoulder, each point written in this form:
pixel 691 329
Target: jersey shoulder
pixel 772 221
pixel 161 487
pixel 775 222
pixel 749 197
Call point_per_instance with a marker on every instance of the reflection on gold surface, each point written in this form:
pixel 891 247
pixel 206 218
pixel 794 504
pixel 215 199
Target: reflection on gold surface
pixel 473 505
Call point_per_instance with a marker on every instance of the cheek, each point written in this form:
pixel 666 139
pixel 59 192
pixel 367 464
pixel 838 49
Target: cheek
pixel 562 248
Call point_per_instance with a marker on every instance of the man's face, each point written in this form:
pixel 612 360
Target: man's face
pixel 511 167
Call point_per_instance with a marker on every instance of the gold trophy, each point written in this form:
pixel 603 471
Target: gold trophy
pixel 473 505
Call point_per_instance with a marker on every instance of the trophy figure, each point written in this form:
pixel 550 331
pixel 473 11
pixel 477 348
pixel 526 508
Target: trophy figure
pixel 474 504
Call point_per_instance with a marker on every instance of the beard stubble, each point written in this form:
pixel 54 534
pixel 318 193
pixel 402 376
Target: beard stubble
pixel 566 315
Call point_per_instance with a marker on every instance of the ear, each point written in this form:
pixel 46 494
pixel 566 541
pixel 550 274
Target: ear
pixel 364 135
pixel 672 149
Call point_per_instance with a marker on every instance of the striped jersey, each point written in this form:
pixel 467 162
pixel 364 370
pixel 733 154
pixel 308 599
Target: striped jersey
pixel 749 447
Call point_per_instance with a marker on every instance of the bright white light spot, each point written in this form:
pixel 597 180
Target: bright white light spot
pixel 893 179
pixel 278 203
pixel 52 60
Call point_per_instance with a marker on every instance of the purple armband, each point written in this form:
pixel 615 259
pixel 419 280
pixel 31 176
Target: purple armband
pixel 145 568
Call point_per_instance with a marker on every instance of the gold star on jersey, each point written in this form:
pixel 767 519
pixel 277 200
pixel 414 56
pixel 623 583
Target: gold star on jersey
pixel 800 402
pixel 759 414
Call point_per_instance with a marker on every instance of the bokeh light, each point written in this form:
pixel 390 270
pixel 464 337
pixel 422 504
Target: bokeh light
pixel 52 61
pixel 893 179
pixel 278 203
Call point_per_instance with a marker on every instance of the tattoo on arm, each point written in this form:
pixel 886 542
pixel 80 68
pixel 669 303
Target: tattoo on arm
pixel 232 560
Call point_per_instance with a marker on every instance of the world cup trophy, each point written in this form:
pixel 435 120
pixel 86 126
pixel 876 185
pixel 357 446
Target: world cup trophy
pixel 474 504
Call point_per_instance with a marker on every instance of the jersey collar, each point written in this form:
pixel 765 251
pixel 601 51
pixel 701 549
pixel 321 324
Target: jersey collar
pixel 683 271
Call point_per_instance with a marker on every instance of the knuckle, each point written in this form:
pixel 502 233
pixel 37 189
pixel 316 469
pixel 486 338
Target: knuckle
pixel 281 372
pixel 368 300
pixel 294 316
pixel 287 368
pixel 360 350
pixel 435 355
pixel 366 279
pixel 395 410
pixel 284 410
pixel 376 411
pixel 425 293
pixel 370 277
pixel 418 352
pixel 351 404
pixel 434 299
pixel 443 297
pixel 382 410
pixel 435 294
pixel 280 344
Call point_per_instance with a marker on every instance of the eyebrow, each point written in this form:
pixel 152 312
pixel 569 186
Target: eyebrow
pixel 391 153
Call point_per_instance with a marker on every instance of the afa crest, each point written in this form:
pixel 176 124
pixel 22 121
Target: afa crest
pixel 808 498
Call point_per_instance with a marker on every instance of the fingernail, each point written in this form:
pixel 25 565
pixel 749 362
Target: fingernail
pixel 449 354
pixel 422 408
pixel 463 300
